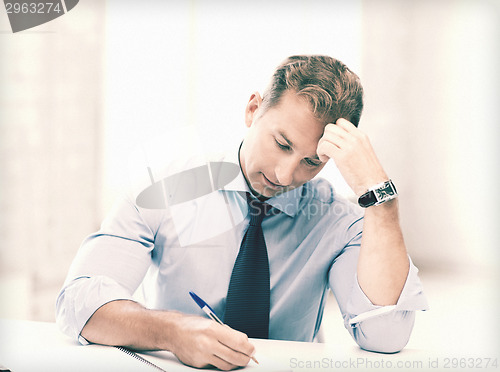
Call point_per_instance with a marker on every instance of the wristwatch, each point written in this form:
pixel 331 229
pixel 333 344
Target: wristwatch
pixel 378 194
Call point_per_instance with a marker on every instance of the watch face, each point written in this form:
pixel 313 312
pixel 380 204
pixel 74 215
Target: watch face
pixel 384 192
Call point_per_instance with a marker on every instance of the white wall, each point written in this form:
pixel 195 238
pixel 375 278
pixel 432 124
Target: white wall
pixel 50 129
pixel 430 71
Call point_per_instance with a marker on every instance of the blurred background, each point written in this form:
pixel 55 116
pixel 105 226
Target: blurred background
pixel 78 93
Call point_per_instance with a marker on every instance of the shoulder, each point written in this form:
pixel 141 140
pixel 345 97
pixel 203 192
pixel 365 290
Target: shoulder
pixel 319 193
pixel 322 191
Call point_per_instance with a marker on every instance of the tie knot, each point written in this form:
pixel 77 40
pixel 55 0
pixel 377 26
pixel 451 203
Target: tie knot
pixel 257 210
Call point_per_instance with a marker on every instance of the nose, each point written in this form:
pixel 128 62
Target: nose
pixel 285 170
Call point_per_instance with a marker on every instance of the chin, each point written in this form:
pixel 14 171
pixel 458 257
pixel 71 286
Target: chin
pixel 260 192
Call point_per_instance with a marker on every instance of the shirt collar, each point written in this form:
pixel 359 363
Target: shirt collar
pixel 287 202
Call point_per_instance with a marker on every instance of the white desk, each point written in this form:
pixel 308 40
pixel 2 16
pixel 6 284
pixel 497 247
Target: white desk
pixel 37 346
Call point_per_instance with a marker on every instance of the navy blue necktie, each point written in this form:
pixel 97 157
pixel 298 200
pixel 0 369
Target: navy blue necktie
pixel 247 302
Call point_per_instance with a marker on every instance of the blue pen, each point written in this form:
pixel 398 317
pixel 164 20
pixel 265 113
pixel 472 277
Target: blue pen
pixel 205 307
pixel 209 311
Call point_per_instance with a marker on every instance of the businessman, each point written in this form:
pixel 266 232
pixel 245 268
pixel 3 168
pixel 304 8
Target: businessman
pixel 291 240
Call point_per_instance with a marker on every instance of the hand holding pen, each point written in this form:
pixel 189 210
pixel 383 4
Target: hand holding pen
pixel 209 311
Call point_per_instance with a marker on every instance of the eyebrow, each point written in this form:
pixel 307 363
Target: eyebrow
pixel 290 143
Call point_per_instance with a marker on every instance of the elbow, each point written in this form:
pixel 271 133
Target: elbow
pixel 62 313
pixel 386 334
pixel 66 313
pixel 383 346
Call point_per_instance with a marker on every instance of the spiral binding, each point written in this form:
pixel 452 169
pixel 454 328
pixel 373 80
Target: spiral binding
pixel 138 357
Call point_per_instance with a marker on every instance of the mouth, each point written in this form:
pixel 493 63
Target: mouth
pixel 271 184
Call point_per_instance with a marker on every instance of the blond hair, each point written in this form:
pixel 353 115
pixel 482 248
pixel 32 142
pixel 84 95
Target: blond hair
pixel 330 87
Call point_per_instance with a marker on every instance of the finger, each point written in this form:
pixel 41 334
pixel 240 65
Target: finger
pixel 350 134
pixel 221 364
pixel 237 341
pixel 346 125
pixel 327 150
pixel 334 130
pixel 336 135
pixel 232 356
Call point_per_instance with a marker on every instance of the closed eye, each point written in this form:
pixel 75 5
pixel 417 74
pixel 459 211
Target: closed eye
pixel 312 162
pixel 282 146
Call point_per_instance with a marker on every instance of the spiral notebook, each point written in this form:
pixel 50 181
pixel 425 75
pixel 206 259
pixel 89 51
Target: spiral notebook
pixel 165 361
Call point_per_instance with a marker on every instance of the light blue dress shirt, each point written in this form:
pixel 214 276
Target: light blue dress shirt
pixel 313 241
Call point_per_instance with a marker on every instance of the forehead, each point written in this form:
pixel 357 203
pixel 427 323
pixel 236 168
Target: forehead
pixel 294 118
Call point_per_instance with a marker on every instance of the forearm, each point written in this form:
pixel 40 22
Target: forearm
pixel 383 261
pixel 196 341
pixel 127 323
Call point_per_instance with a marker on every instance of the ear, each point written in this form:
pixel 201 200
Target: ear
pixel 252 108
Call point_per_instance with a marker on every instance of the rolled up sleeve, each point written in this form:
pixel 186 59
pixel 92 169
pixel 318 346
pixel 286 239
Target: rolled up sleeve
pixel 80 299
pixel 110 265
pixel 384 329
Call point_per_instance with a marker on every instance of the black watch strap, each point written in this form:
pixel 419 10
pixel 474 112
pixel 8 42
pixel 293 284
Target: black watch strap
pixel 378 194
pixel 367 199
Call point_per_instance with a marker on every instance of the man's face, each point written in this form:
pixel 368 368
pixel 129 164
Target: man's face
pixel 278 153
